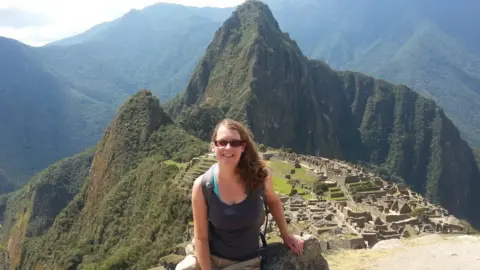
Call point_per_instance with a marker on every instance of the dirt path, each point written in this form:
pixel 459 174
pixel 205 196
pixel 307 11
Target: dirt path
pixel 427 252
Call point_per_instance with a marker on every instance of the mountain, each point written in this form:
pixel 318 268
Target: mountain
pixel 55 101
pixel 431 46
pixel 130 209
pixel 155 48
pixel 255 73
pixel 41 118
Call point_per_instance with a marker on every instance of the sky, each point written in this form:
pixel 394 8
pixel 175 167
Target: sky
pixel 37 23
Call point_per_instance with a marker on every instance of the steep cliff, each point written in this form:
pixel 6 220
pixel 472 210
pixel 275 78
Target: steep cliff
pixel 31 210
pixel 255 73
pixel 130 210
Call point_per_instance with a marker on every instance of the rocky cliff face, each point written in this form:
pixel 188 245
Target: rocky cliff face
pixel 255 73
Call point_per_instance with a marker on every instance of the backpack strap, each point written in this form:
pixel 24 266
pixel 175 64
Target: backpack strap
pixel 264 233
pixel 207 185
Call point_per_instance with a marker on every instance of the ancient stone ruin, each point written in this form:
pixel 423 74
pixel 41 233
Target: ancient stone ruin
pixel 361 208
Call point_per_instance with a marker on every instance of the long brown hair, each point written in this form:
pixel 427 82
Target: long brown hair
pixel 251 168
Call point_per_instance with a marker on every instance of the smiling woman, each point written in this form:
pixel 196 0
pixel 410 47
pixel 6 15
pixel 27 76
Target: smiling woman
pixel 227 204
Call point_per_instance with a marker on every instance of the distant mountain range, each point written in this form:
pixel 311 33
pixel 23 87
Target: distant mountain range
pixel 75 85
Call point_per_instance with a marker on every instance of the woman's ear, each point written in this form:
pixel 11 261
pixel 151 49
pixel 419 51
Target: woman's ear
pixel 212 147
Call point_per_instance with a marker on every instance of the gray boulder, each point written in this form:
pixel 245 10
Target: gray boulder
pixel 279 257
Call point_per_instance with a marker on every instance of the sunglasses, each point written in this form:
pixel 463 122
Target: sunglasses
pixel 233 143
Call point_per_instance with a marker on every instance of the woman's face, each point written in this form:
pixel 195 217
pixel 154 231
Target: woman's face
pixel 228 146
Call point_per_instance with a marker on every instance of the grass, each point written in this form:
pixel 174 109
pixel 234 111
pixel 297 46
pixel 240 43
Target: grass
pixel 280 184
pixel 284 168
pixel 309 196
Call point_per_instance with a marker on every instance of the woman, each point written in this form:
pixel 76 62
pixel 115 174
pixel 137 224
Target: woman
pixel 227 221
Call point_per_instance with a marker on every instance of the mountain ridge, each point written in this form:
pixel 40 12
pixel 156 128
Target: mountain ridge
pixel 433 66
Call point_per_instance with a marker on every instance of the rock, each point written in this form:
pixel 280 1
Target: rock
pixel 279 257
pixel 297 164
pixel 389 244
pixel 169 261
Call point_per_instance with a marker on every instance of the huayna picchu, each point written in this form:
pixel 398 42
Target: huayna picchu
pixel 356 160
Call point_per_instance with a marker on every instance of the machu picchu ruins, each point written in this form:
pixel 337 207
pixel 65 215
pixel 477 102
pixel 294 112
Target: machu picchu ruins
pixel 359 206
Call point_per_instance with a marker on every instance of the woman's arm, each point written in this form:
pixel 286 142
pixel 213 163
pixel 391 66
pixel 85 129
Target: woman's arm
pixel 276 209
pixel 200 226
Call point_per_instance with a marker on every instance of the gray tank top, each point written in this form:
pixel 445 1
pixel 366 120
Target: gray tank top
pixel 234 230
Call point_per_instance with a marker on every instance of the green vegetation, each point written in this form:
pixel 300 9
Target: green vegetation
pixel 281 185
pixel 285 186
pixel 284 168
pixel 262 148
pixel 31 210
pixel 180 166
pixel 133 211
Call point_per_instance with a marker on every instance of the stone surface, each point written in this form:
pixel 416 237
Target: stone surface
pixel 279 257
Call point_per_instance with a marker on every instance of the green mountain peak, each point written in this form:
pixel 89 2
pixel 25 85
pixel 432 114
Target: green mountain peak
pixel 255 73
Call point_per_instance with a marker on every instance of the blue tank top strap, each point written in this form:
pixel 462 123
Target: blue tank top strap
pixel 215 186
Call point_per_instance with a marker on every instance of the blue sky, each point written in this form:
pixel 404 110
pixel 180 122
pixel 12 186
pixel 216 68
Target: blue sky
pixel 37 22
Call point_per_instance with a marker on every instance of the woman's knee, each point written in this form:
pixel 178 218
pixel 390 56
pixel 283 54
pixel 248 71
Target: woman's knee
pixel 188 263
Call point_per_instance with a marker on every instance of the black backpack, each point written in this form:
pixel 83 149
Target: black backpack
pixel 207 189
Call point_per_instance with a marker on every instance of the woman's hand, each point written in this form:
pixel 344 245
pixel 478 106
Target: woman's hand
pixel 295 243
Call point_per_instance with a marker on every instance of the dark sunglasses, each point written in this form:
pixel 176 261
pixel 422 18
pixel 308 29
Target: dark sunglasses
pixel 233 143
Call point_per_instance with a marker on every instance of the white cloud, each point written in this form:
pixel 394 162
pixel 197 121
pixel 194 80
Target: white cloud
pixel 66 18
